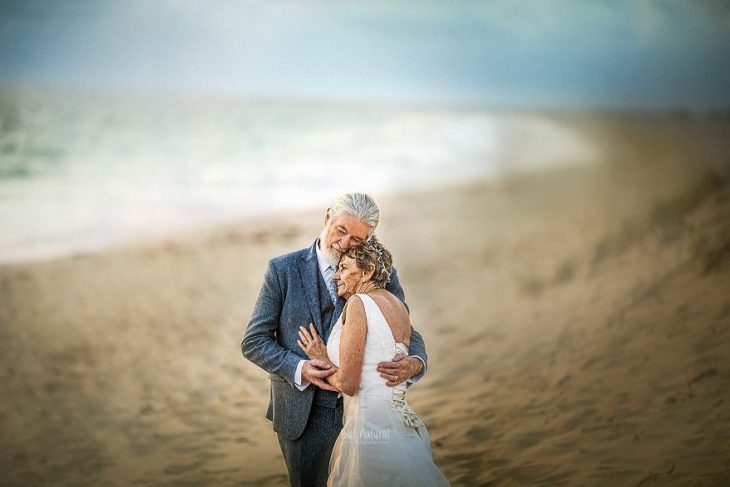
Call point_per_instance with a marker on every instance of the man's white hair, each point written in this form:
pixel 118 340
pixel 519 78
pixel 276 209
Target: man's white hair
pixel 359 205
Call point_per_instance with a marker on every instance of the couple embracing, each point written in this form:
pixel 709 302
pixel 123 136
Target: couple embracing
pixel 331 327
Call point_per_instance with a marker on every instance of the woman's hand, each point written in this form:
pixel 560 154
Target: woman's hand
pixel 312 344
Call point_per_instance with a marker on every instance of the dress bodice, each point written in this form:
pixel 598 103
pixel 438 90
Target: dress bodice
pixel 380 346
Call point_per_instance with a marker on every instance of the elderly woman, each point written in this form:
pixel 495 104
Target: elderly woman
pixel 383 441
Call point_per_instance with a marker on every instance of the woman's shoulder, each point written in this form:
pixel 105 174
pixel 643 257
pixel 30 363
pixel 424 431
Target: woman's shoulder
pixel 355 300
pixel 354 310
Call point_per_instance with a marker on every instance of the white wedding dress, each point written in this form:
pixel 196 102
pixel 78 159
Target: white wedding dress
pixel 383 441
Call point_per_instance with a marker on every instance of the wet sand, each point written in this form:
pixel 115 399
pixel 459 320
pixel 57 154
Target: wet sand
pixel 577 322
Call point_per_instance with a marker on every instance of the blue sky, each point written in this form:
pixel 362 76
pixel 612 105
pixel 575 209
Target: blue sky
pixel 641 53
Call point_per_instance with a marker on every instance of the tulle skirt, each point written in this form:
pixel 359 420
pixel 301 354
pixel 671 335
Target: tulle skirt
pixel 382 443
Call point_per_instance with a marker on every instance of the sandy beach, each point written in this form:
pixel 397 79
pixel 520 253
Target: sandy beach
pixel 577 322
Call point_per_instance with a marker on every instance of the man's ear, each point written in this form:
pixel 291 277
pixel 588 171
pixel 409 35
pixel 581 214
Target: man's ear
pixel 327 215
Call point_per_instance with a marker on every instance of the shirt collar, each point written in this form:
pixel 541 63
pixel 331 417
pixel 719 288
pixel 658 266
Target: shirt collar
pixel 323 264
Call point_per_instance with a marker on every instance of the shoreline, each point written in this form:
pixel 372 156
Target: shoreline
pixel 152 199
pixel 236 228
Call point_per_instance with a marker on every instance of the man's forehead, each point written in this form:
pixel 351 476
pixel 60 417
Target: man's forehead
pixel 347 220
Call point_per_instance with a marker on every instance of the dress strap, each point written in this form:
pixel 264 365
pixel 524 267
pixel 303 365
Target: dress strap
pixel 372 311
pixel 367 301
pixel 377 322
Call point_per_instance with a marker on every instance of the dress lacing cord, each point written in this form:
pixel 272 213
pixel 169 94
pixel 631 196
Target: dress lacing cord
pixel 411 419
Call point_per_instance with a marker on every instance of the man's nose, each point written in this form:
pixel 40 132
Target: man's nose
pixel 345 242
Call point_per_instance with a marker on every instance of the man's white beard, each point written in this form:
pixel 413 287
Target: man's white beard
pixel 331 255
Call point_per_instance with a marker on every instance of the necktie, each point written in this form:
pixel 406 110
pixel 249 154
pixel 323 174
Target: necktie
pixel 332 288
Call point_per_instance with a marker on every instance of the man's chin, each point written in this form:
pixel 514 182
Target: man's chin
pixel 333 257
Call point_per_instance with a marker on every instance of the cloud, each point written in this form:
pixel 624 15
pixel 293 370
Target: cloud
pixel 456 50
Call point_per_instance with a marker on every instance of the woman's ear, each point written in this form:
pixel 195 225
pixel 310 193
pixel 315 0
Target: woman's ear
pixel 368 274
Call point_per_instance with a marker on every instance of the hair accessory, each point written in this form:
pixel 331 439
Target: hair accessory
pixel 377 247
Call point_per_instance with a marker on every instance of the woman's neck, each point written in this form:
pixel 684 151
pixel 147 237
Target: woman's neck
pixel 366 288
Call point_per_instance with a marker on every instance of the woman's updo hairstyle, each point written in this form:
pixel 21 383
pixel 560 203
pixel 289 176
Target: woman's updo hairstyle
pixel 372 253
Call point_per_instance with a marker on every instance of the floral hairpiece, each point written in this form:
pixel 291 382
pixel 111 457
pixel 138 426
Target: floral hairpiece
pixel 380 260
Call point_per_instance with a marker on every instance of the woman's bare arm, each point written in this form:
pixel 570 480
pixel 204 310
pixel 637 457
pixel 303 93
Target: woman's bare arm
pixel 352 347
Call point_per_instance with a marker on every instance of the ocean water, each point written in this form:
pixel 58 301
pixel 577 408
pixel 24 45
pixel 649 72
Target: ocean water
pixel 80 172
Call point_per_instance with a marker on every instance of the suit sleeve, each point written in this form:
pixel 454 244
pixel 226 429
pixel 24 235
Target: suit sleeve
pixel 259 343
pixel 417 347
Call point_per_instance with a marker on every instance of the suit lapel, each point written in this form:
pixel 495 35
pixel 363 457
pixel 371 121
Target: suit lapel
pixel 309 274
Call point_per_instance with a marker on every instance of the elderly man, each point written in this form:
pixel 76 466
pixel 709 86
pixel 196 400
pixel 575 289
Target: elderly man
pixel 298 290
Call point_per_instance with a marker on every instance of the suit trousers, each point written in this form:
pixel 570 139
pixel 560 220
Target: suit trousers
pixel 308 457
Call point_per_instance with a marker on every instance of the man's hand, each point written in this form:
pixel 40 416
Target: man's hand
pixel 400 369
pixel 315 371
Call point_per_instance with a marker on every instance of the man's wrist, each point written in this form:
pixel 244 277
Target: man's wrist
pixel 299 381
pixel 416 365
